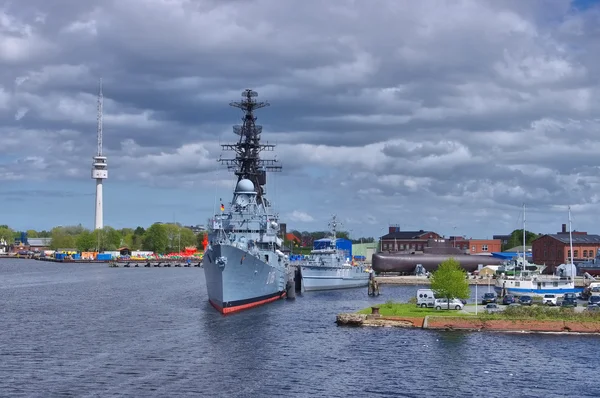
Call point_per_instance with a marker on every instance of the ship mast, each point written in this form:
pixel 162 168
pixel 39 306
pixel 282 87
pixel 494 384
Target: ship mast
pixel 333 225
pixel 524 240
pixel 247 163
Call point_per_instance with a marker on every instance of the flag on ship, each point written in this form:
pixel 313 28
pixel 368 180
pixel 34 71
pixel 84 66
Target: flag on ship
pixel 222 207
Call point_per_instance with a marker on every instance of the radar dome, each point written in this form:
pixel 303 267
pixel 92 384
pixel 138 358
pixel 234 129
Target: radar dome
pixel 244 186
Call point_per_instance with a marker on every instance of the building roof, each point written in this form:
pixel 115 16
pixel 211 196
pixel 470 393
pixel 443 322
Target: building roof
pixel 406 234
pixel 509 255
pixel 39 242
pixel 518 249
pixel 577 239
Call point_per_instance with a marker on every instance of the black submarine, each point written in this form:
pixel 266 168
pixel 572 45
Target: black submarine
pixel 429 259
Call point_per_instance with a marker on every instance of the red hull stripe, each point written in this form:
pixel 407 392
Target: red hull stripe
pixel 230 310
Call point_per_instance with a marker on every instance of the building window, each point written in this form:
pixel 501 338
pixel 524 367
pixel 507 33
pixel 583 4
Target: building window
pixel 473 248
pixel 591 253
pixel 585 253
pixel 569 253
pixel 576 253
pixel 484 248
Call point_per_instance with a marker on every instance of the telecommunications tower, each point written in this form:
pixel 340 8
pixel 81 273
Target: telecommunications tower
pixel 99 170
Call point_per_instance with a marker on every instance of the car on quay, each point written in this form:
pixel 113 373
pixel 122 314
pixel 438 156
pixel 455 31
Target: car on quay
pixel 568 302
pixel 525 300
pixel 442 304
pixel 594 300
pixel 508 299
pixel 550 299
pixel 491 307
pixel 488 298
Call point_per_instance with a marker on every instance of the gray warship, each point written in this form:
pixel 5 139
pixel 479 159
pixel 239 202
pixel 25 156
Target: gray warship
pixel 243 263
pixel 329 268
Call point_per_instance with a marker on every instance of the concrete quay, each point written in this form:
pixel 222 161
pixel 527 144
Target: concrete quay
pixel 423 280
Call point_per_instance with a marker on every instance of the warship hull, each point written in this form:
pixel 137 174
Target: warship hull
pixel 408 262
pixel 243 281
pixel 330 278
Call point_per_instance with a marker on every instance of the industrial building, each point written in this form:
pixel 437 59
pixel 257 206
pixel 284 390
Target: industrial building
pixel 409 241
pixel 553 249
pixel 416 241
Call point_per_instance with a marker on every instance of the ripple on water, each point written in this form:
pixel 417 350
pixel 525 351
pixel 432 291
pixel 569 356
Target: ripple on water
pixel 88 330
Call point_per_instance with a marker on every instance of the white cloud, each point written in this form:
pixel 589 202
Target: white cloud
pixel 416 113
pixel 300 216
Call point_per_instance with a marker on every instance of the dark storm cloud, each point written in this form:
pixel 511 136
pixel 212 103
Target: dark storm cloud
pixel 463 104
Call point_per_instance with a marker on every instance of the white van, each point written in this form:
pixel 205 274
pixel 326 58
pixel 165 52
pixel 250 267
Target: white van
pixel 425 298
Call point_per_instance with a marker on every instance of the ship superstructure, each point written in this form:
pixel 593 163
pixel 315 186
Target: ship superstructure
pixel 243 263
pixel 328 267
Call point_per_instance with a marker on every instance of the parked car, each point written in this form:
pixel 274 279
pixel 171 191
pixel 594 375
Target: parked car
pixel 488 298
pixel 508 299
pixel 442 304
pixel 492 307
pixel 594 300
pixel 593 307
pixel 549 299
pixel 525 300
pixel 568 303
pixel 570 296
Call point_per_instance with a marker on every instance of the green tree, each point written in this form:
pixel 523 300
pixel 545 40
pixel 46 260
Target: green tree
pixel 32 233
pixel 449 281
pixel 188 238
pixel 44 234
pixel 7 234
pixel 61 239
pixel 516 239
pixel 156 239
pixel 86 241
pixel 111 238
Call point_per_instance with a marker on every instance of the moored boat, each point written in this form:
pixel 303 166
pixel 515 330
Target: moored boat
pixel 243 264
pixel 328 267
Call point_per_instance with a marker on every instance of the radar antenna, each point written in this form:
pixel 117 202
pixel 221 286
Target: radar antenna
pixel 100 117
pixel 333 224
pixel 247 163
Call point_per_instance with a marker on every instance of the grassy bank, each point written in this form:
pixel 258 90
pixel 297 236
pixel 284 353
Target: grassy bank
pixel 535 313
pixel 541 313
pixel 411 310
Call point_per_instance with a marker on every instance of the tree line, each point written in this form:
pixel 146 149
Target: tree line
pixel 159 238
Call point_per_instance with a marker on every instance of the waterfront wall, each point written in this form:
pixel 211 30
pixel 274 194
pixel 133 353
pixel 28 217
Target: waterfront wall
pixel 461 323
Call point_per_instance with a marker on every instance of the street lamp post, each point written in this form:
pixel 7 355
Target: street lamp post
pixel 476 297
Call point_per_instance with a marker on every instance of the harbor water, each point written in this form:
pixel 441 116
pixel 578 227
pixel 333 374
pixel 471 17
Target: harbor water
pixel 90 330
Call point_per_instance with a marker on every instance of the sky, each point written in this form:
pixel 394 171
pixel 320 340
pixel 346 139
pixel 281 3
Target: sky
pixel 436 115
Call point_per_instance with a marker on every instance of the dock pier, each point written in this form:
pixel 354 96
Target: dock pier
pixel 155 264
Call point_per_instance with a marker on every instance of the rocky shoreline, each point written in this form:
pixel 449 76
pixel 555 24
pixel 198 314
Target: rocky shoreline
pixel 469 324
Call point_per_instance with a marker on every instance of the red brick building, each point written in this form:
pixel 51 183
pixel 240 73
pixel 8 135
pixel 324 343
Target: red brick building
pixel 477 246
pixel 484 246
pixel 408 241
pixel 553 249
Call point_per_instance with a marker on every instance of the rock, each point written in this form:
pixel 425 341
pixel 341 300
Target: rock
pixel 351 319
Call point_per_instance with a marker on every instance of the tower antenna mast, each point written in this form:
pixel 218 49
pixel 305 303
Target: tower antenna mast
pixel 99 167
pixel 100 116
